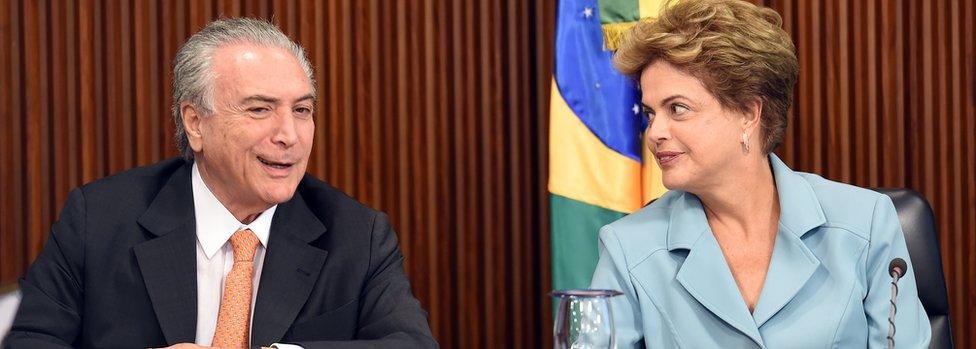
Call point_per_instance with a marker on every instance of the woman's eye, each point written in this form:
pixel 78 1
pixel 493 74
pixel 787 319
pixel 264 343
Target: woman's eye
pixel 678 109
pixel 648 113
pixel 646 116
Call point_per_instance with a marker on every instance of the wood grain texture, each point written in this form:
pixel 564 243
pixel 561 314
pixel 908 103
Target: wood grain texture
pixel 435 112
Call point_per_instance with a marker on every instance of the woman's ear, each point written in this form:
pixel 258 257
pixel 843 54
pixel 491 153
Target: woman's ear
pixel 752 116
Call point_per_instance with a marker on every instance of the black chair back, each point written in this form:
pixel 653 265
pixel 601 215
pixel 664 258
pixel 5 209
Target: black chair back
pixel 918 224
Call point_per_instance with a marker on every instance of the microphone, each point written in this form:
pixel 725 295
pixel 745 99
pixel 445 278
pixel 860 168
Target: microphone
pixel 897 266
pixel 897 269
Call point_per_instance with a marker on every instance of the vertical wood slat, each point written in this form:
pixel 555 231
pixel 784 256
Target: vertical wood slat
pixel 435 112
pixel 969 203
pixel 545 17
pixel 12 227
pixel 37 152
pixel 86 98
pixel 147 109
pixel 956 107
pixel 72 176
pixel 871 98
pixel 58 129
pixel 8 250
pixel 838 115
pixel 119 112
pixel 892 81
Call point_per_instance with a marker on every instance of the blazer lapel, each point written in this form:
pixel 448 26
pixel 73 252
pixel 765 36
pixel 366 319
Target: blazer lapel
pixel 168 261
pixel 291 267
pixel 790 268
pixel 704 273
pixel 792 263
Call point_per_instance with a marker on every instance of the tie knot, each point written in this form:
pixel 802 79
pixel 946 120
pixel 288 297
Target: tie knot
pixel 244 243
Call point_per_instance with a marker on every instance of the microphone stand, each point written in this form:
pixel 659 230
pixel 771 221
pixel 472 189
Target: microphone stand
pixel 896 269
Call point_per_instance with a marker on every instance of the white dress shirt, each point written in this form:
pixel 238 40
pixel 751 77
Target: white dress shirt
pixel 215 255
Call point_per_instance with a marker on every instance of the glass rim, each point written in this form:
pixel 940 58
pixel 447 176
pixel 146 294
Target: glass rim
pixel 585 293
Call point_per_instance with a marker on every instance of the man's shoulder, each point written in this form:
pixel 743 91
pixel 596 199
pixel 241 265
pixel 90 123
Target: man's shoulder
pixel 333 206
pixel 133 186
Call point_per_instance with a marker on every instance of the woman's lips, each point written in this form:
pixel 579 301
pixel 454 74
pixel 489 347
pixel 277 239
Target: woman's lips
pixel 665 158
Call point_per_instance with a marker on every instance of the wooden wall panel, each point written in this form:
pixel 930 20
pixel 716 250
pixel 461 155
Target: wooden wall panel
pixel 429 111
pixel 435 111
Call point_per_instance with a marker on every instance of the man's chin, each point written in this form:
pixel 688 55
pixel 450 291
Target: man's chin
pixel 278 195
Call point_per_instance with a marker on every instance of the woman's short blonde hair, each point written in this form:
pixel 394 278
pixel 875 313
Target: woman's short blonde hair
pixel 738 50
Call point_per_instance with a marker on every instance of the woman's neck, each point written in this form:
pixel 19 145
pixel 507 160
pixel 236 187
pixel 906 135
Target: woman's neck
pixel 745 201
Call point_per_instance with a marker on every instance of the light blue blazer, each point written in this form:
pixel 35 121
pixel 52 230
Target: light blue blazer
pixel 827 285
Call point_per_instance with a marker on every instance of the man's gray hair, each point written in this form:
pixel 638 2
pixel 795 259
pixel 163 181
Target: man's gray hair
pixel 193 77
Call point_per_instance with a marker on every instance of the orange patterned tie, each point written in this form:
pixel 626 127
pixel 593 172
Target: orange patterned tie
pixel 234 317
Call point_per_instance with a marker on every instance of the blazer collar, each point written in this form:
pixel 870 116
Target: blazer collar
pixel 295 218
pixel 687 222
pixel 800 209
pixel 173 205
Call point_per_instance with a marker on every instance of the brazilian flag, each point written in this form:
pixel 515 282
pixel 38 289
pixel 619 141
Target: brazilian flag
pixel 599 170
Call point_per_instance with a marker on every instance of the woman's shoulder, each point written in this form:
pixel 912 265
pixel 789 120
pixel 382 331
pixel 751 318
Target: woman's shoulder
pixel 845 205
pixel 645 229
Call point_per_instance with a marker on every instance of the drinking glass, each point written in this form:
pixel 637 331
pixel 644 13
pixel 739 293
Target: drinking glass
pixel 584 319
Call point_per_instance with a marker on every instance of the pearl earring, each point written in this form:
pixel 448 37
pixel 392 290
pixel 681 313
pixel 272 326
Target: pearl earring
pixel 745 141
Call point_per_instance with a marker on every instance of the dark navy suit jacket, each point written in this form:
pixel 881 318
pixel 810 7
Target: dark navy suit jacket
pixel 119 271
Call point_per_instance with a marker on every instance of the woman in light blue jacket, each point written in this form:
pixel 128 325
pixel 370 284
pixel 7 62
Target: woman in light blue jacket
pixel 742 252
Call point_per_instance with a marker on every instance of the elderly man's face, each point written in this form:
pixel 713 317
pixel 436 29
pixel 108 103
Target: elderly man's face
pixel 254 149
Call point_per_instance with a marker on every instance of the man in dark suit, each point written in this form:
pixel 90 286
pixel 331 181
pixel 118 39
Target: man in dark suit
pixel 233 245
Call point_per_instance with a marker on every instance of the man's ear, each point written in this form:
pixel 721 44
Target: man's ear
pixel 191 125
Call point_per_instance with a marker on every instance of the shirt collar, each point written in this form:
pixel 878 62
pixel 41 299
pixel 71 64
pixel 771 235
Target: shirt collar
pixel 215 224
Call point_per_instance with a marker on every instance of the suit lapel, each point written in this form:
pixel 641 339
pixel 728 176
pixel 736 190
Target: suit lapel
pixel 291 267
pixel 168 261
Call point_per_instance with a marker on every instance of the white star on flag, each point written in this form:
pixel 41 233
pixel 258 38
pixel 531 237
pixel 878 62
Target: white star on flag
pixel 587 12
pixel 636 109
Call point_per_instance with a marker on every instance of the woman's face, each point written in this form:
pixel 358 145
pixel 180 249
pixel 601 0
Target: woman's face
pixel 694 139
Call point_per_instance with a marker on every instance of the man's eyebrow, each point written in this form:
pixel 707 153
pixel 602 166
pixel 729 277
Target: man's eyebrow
pixel 308 97
pixel 260 98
